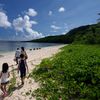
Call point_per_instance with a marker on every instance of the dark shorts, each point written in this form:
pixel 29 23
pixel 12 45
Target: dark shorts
pixel 5 83
pixel 22 72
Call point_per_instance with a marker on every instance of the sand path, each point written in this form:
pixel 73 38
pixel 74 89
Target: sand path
pixel 34 58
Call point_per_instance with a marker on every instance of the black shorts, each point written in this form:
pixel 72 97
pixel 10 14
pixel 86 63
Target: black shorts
pixel 5 83
pixel 22 72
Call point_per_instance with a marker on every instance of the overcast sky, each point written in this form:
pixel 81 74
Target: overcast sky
pixel 28 19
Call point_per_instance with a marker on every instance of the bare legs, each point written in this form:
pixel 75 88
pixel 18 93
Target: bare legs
pixel 3 88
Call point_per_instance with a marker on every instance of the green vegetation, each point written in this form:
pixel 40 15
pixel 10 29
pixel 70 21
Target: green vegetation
pixel 89 34
pixel 27 93
pixel 12 82
pixel 12 85
pixel 72 74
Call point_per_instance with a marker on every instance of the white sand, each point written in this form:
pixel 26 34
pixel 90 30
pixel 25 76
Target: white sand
pixel 34 58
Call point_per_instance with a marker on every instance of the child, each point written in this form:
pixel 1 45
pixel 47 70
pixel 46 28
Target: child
pixel 4 75
pixel 22 67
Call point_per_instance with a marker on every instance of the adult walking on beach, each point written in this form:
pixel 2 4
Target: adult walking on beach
pixel 24 52
pixel 17 55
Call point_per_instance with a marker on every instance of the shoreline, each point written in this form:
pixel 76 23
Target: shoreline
pixel 8 57
pixel 5 53
pixel 34 58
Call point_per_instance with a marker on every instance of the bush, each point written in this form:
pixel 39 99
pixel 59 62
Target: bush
pixel 72 74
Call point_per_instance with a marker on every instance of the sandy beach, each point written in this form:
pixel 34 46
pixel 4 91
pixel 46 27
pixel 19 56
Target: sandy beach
pixel 34 58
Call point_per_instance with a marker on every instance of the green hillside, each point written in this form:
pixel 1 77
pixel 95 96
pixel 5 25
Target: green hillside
pixel 89 34
pixel 73 73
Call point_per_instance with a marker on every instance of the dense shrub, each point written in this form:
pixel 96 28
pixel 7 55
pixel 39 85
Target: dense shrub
pixel 72 74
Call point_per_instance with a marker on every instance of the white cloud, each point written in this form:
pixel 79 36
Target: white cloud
pixel 34 36
pixel 61 9
pixel 64 33
pixel 31 12
pixel 50 13
pixel 55 27
pixel 33 22
pixel 24 24
pixel 4 20
pixel 18 24
pixel 21 24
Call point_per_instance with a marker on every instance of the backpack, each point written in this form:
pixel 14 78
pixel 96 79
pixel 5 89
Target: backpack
pixel 25 54
pixel 26 57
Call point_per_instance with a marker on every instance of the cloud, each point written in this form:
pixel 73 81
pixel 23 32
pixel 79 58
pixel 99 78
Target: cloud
pixel 24 24
pixel 61 9
pixel 25 37
pixel 31 12
pixel 21 24
pixel 33 22
pixel 50 13
pixel 55 27
pixel 18 24
pixel 34 36
pixel 64 33
pixel 4 20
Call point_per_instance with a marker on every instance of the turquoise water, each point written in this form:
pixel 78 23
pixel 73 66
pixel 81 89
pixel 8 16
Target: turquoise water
pixel 11 46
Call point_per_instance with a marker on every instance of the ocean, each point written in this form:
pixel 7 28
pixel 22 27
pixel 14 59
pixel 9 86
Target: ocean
pixel 6 46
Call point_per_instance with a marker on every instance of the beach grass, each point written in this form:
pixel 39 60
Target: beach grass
pixel 72 74
pixel 12 82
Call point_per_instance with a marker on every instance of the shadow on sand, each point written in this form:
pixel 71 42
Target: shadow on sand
pixel 15 88
pixel 18 87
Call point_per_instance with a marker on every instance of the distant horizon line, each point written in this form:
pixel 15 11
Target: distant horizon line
pixel 11 41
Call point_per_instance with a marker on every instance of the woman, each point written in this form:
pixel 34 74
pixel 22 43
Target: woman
pixel 24 52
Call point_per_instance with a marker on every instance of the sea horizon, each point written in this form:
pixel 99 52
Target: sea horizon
pixel 10 46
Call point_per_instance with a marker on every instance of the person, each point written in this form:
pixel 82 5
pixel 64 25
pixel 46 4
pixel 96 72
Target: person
pixel 22 67
pixel 4 75
pixel 24 52
pixel 17 55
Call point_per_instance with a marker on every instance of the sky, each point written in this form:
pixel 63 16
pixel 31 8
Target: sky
pixel 30 19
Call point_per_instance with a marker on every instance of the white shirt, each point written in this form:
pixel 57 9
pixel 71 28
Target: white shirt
pixel 17 54
pixel 4 77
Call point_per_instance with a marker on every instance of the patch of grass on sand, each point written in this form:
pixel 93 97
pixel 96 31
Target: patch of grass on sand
pixel 12 83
